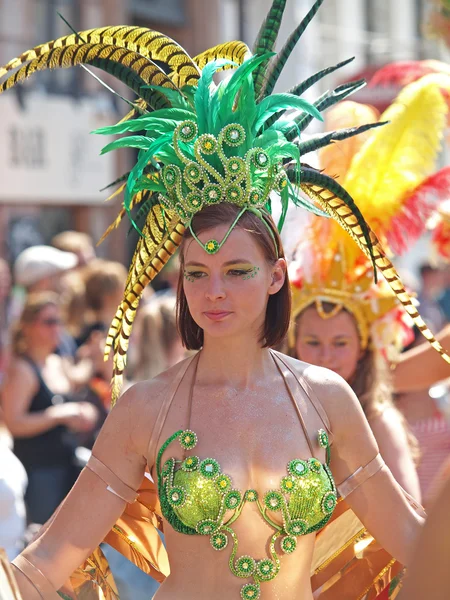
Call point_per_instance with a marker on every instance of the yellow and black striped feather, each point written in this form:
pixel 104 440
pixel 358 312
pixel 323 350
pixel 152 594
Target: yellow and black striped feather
pixel 146 42
pixel 162 236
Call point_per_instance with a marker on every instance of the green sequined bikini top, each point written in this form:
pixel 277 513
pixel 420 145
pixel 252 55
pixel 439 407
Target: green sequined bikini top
pixel 198 499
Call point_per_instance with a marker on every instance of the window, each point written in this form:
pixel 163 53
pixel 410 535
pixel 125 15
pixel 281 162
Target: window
pixel 170 12
pixel 50 26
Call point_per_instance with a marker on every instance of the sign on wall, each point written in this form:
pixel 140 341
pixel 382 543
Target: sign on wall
pixel 47 153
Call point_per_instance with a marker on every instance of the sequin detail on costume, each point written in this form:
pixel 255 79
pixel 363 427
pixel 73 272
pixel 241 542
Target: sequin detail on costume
pixel 198 499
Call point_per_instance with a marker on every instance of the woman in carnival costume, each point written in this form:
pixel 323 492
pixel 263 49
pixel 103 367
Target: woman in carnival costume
pixel 342 319
pixel 248 447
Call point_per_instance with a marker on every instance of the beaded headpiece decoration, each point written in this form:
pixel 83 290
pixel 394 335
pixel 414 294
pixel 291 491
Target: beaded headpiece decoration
pixel 205 143
pixel 391 176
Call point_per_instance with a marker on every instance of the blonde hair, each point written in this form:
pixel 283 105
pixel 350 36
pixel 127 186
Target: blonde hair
pixel 72 241
pixel 34 305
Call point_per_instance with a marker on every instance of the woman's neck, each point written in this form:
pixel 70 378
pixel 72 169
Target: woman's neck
pixel 239 362
pixel 38 354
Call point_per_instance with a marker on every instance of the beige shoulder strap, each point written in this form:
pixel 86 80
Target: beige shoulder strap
pixel 36 578
pixel 164 409
pixel 309 392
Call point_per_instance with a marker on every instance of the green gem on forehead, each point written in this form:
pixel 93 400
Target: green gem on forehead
pixel 212 246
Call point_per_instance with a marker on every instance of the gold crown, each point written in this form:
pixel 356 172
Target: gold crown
pixel 353 289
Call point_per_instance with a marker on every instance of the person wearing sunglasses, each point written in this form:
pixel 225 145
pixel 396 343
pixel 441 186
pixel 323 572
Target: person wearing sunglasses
pixel 41 421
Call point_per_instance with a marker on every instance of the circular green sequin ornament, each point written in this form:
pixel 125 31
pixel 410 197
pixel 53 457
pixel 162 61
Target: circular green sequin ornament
pixel 315 465
pixel 195 201
pixel 188 439
pixel 250 591
pixel 207 143
pixel 233 134
pixel 323 438
pixel 273 500
pixel 251 496
pixel 297 467
pixel 192 173
pixel 245 566
pixel 212 246
pixel 281 181
pixel 187 130
pixel 261 159
pixel 236 166
pixel 297 527
pixel 233 499
pixel 219 541
pixel 206 527
pixel 212 193
pixel 266 569
pixel 209 468
pixel 328 503
pixel 190 464
pixel 223 483
pixel 288 484
pixel 233 194
pixel 288 544
pixel 177 496
pixel 255 198
pixel 169 176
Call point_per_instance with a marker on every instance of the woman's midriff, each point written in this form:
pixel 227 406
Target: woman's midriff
pixel 198 572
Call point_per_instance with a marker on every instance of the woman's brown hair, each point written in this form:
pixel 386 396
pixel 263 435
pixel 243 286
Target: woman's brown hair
pixel 34 305
pixel 279 305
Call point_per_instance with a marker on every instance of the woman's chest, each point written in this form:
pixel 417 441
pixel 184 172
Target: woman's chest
pixel 54 376
pixel 251 437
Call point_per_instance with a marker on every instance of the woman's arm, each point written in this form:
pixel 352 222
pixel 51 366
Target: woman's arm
pixel 392 439
pixel 18 390
pixel 379 502
pixel 90 510
pixel 421 367
pixel 429 573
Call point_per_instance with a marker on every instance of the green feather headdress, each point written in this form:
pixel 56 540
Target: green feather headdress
pixel 205 143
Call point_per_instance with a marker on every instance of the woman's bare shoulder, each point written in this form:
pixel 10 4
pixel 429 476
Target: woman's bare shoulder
pixel 145 397
pixel 332 391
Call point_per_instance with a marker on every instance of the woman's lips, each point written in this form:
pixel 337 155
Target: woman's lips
pixel 216 315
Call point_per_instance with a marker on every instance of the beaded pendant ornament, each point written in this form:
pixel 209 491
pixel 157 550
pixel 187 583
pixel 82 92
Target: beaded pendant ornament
pixel 196 499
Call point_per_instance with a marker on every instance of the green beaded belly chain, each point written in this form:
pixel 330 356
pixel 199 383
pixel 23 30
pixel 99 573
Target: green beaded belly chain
pixel 196 498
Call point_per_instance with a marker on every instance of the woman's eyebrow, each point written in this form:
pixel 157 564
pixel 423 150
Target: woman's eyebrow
pixel 225 264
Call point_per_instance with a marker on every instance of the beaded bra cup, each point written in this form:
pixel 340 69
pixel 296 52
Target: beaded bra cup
pixel 197 499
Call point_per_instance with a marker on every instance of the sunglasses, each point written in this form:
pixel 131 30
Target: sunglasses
pixel 50 322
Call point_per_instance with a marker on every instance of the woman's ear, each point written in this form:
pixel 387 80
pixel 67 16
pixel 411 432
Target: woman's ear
pixel 279 270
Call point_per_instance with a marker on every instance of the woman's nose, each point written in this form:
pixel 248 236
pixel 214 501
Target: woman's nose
pixel 215 289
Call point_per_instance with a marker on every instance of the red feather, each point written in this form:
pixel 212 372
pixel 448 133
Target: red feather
pixel 418 207
pixel 401 73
